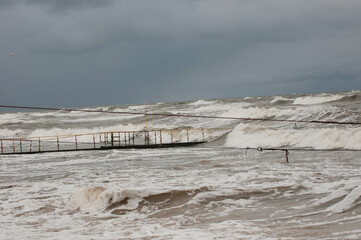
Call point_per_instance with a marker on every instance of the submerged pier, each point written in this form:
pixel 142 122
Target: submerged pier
pixel 158 138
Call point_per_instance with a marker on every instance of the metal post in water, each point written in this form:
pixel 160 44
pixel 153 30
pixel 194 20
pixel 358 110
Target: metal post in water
pixel 133 138
pixel 129 138
pixel 171 136
pixel 155 137
pixel 31 144
pixel 187 136
pixel 57 141
pixel 94 141
pixel 160 137
pixel 76 142
pixel 39 145
pixel 21 146
pixel 203 134
pixel 13 145
pixel 2 147
pixel 112 139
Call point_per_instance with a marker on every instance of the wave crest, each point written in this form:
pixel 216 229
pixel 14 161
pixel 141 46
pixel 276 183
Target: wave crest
pixel 99 198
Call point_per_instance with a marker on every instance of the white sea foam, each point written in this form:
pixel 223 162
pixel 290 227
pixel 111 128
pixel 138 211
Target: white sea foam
pixel 99 198
pixel 204 192
pixel 348 201
pixel 202 102
pixel 309 100
pixel 279 99
pixel 249 135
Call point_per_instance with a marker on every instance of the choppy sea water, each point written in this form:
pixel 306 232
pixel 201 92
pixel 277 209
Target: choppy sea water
pixel 213 191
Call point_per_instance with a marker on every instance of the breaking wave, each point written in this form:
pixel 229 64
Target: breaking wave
pixel 121 201
pixel 250 135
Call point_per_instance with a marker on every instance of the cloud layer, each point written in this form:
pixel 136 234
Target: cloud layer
pixel 83 53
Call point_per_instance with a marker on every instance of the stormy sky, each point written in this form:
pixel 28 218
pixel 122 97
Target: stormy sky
pixel 89 52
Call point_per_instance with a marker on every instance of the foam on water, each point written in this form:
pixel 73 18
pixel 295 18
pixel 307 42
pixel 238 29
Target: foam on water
pixel 249 135
pixel 322 98
pixel 281 100
pixel 202 102
pixel 214 191
pixel 99 198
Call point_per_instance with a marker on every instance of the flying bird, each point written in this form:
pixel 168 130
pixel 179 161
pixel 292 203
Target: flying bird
pixel 11 54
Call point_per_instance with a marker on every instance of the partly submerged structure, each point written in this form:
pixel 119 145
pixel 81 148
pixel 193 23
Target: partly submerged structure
pixel 159 138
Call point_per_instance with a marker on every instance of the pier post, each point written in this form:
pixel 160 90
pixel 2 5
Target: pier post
pixel 76 143
pixel 31 144
pixel 2 147
pixel 21 146
pixel 94 140
pixel 160 137
pixel 57 142
pixel 13 145
pixel 187 136
pixel 133 138
pixel 39 145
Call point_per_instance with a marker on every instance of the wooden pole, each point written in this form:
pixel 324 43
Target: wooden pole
pixel 39 145
pixel 21 146
pixel 57 141
pixel 13 145
pixel 94 141
pixel 2 147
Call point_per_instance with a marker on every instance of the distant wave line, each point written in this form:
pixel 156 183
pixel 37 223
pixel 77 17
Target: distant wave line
pixel 184 115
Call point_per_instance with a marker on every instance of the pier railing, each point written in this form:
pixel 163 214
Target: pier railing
pixel 155 138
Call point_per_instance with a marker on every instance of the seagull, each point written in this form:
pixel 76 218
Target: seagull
pixel 11 54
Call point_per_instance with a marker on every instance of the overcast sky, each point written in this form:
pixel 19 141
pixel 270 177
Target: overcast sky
pixel 89 52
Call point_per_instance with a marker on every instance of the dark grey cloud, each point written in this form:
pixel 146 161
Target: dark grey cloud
pixel 108 52
pixel 59 6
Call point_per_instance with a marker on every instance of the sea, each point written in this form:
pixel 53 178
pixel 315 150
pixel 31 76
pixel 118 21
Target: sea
pixel 231 187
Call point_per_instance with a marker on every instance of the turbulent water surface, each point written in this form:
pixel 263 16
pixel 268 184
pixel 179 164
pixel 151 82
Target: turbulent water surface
pixel 217 190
